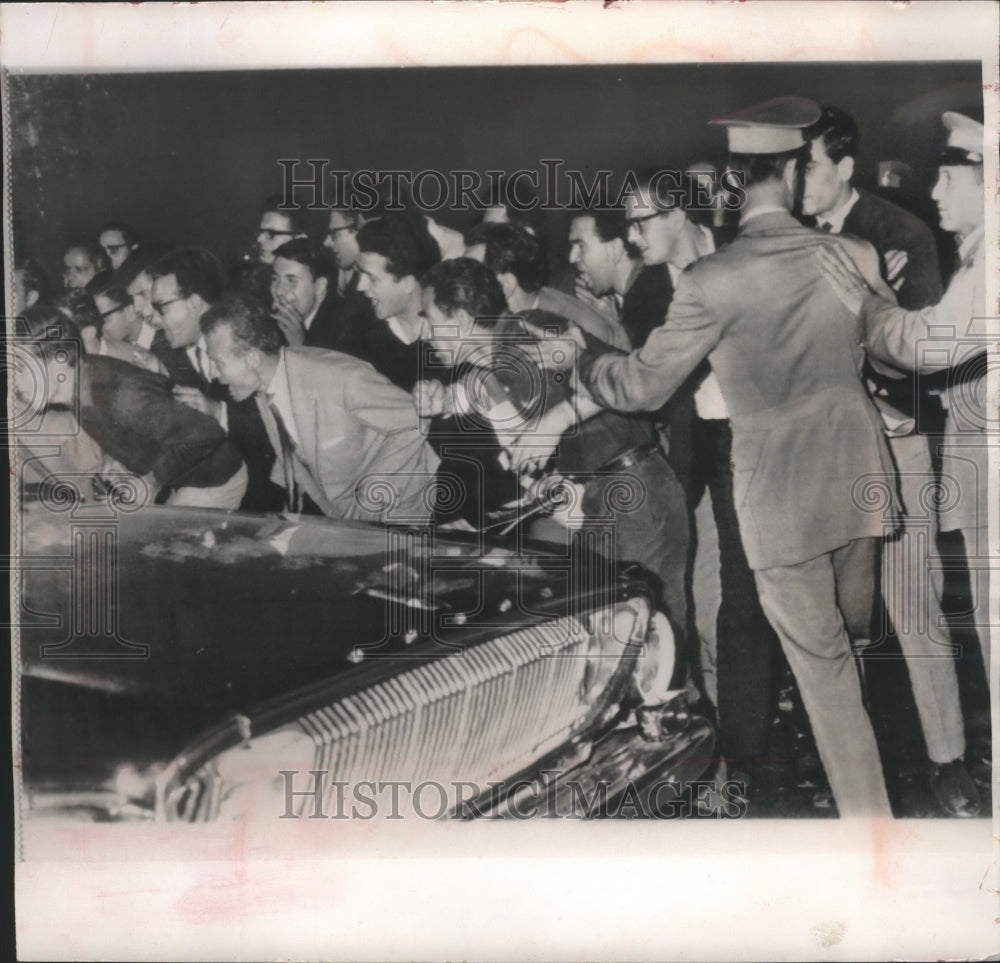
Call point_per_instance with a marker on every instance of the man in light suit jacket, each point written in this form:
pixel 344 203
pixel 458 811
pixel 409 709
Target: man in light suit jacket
pixel 343 434
pixel 805 434
pixel 951 335
pixel 912 577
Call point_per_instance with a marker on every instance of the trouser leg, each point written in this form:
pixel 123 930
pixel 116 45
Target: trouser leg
pixel 706 591
pixel 978 554
pixel 801 601
pixel 227 495
pixel 654 532
pixel 912 585
pixel 746 646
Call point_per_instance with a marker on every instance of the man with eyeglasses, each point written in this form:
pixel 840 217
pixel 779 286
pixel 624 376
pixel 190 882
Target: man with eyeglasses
pixel 134 276
pixel 116 325
pixel 276 226
pixel 186 282
pixel 119 241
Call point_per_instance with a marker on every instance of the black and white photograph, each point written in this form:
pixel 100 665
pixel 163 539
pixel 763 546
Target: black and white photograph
pixel 503 481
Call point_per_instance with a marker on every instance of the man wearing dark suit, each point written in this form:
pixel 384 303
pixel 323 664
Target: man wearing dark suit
pixel 342 433
pixel 131 414
pixel 185 283
pixel 304 304
pixel 786 355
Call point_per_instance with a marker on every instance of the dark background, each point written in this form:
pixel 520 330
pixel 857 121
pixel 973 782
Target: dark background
pixel 188 157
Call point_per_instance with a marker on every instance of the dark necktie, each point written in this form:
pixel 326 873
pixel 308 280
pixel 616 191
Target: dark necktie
pixel 293 499
pixel 825 226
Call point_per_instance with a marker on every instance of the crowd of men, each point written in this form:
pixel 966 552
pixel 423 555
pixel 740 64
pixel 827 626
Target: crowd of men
pixel 750 387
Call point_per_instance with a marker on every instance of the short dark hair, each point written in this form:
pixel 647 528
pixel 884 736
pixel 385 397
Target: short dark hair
pixel 510 249
pixel 97 255
pixel 303 251
pixel 248 320
pixel 78 306
pixel 139 260
pixel 609 223
pixel 197 272
pixel 352 215
pixel 463 283
pixel 108 286
pixel 838 131
pixel 129 234
pixel 297 218
pixel 760 168
pixel 99 282
pixel 32 276
pixel 405 243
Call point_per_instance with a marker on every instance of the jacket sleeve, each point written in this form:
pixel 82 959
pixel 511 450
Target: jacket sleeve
pixel 184 439
pixel 646 379
pixel 376 402
pixel 936 337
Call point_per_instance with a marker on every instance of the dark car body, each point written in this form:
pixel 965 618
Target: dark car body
pixel 186 664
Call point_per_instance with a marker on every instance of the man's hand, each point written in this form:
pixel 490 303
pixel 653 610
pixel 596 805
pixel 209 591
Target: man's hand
pixel 432 398
pixel 895 263
pixel 291 323
pixel 840 270
pixel 197 399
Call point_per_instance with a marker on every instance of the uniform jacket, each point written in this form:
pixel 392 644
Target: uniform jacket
pixel 950 335
pixel 807 442
pixel 360 452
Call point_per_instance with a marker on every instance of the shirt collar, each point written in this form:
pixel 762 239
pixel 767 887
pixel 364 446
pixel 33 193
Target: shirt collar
pixel 307 322
pixel 838 215
pixel 970 244
pixel 402 333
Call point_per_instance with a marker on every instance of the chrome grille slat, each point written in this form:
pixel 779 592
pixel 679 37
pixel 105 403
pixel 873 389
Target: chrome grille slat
pixel 478 715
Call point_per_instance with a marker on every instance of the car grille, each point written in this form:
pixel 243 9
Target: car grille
pixel 481 714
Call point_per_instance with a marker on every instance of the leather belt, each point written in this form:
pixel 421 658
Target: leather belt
pixel 632 458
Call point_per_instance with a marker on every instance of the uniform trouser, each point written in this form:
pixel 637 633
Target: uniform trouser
pixel 975 545
pixel 746 654
pixel 227 495
pixel 912 585
pixel 812 606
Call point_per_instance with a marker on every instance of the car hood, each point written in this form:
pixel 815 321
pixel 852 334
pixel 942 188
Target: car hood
pixel 140 631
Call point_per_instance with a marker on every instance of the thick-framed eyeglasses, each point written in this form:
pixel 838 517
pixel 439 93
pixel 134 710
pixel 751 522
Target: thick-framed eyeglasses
pixel 334 231
pixel 640 221
pixel 271 234
pixel 158 306
pixel 110 248
pixel 120 307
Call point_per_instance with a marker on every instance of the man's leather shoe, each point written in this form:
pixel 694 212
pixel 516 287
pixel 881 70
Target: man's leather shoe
pixel 954 789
